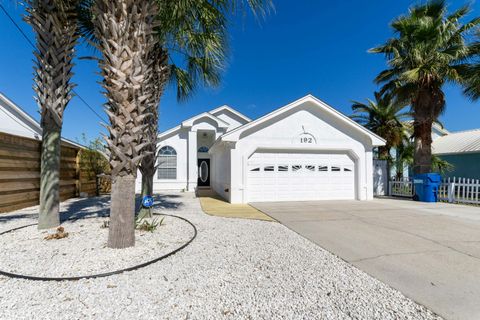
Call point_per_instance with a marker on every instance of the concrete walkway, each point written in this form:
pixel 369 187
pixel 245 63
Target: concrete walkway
pixel 214 205
pixel 430 252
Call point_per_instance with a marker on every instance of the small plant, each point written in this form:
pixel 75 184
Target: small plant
pixel 149 226
pixel 105 224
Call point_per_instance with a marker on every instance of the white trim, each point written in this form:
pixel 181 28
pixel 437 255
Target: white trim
pixel 235 112
pixel 30 123
pixel 27 119
pixel 169 131
pixel 234 135
pixel 189 122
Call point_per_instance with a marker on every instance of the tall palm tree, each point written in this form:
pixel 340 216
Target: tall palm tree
pixel 127 38
pixel 124 30
pixel 428 50
pixel 383 117
pixel 471 86
pixel 191 51
pixel 55 26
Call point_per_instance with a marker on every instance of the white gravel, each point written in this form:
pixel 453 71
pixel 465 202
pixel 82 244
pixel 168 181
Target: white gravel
pixel 84 251
pixel 235 269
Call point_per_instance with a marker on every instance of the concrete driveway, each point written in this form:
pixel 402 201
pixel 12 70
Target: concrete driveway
pixel 430 252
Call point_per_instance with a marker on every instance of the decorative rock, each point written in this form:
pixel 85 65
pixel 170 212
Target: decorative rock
pixel 234 269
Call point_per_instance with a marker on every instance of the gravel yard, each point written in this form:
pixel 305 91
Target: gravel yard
pixel 84 251
pixel 234 269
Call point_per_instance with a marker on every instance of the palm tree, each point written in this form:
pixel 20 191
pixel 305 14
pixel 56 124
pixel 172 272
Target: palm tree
pixel 383 117
pixel 471 86
pixel 199 41
pixel 405 155
pixel 127 37
pixel 54 24
pixel 429 49
pixel 124 30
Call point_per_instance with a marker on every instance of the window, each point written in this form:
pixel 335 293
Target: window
pixel 255 169
pixel 296 167
pixel 310 168
pixel 203 149
pixel 335 168
pixel 347 169
pixel 322 168
pixel 269 168
pixel 282 168
pixel 167 163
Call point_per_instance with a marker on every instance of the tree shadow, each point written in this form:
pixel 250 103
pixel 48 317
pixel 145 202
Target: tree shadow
pixel 161 202
pixel 80 208
pixel 98 207
pixel 6 218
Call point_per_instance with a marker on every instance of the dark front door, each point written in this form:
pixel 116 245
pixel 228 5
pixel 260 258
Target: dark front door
pixel 204 172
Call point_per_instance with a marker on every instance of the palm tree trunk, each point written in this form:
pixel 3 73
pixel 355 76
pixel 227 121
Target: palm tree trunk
pixel 147 185
pixel 157 76
pixel 55 26
pixel 422 132
pixel 124 30
pixel 49 175
pixel 122 222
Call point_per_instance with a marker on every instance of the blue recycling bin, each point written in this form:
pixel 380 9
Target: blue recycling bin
pixel 426 186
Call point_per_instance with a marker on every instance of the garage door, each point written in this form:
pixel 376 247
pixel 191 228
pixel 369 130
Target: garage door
pixel 300 177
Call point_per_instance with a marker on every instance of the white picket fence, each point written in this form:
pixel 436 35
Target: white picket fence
pixel 459 190
pixel 454 190
pixel 401 187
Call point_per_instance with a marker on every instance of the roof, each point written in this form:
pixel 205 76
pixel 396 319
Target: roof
pixel 209 114
pixel 190 122
pixel 440 129
pixel 18 115
pixel 228 108
pixel 458 142
pixel 234 135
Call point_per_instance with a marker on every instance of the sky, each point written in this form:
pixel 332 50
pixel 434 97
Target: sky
pixel 304 47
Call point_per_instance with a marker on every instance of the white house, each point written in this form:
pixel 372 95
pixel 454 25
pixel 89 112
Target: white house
pixel 305 150
pixel 15 121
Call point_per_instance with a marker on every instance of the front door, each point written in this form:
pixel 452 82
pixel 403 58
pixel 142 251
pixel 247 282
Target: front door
pixel 203 173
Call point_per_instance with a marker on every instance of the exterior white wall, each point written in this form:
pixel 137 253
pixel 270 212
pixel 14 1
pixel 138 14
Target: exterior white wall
pixel 186 141
pixel 178 141
pixel 221 172
pixel 284 133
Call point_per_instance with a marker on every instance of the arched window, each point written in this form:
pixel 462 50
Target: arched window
pixel 167 163
pixel 203 149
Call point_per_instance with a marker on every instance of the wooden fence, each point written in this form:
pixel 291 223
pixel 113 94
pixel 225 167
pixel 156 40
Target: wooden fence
pixel 20 173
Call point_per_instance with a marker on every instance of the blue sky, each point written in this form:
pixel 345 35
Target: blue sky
pixel 317 47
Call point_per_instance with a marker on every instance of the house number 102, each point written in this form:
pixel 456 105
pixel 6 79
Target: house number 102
pixel 306 140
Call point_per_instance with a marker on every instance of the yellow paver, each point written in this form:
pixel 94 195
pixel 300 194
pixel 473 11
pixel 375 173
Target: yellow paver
pixel 214 205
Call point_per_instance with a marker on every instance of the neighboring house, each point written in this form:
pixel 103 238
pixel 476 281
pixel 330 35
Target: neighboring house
pixel 15 121
pixel 462 150
pixel 20 143
pixel 305 150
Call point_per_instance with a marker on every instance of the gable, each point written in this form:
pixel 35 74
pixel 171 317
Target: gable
pixel 205 119
pixel 303 126
pixel 307 111
pixel 233 119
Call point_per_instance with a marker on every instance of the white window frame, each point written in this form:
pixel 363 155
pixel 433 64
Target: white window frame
pixel 168 169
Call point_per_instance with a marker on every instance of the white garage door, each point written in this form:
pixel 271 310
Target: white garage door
pixel 300 177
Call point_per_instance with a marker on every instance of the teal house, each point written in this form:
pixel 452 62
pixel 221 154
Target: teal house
pixel 462 150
